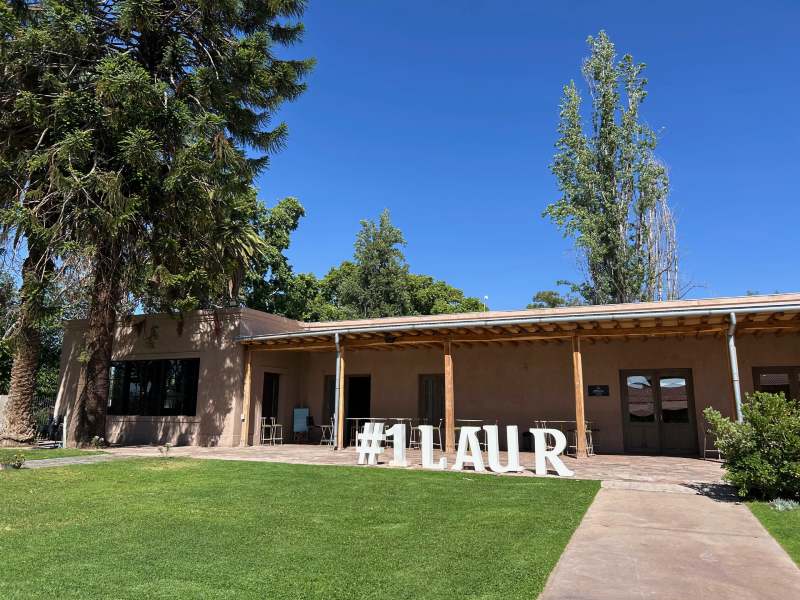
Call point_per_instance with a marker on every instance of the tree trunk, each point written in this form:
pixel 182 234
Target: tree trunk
pixel 106 295
pixel 20 426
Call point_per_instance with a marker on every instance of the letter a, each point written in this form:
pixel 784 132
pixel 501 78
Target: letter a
pixel 469 440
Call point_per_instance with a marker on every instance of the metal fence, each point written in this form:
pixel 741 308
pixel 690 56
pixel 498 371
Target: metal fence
pixel 43 410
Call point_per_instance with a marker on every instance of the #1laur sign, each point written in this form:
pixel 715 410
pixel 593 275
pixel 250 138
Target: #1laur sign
pixel 371 444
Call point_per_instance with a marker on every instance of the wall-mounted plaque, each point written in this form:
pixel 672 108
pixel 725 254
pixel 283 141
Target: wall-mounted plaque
pixel 598 390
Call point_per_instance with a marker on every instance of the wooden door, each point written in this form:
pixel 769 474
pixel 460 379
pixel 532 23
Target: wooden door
pixel 431 399
pixel 658 411
pixel 270 396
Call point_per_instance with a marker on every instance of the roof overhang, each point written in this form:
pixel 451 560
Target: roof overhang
pixel 754 314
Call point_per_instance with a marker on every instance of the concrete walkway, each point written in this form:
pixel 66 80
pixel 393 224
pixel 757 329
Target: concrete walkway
pixel 637 543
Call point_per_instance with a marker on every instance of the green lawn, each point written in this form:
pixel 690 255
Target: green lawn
pixel 180 528
pixel 39 453
pixel 783 525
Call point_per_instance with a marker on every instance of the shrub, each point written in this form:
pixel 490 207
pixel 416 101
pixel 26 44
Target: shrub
pixel 761 454
pixel 782 505
pixel 15 462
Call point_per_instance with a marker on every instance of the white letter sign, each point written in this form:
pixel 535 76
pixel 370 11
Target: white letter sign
pixel 398 435
pixel 370 443
pixel 468 440
pixel 426 445
pixel 543 454
pixel 512 464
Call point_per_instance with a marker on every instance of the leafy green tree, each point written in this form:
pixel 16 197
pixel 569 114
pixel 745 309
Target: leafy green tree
pixel 553 299
pixel 146 122
pixel 431 296
pixel 376 283
pixel 271 285
pixel 613 189
pixel 378 287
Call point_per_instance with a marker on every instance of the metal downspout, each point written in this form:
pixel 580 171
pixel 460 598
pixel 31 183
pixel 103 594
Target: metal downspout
pixel 737 391
pixel 336 415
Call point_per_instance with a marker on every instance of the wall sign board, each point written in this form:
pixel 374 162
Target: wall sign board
pixel 598 390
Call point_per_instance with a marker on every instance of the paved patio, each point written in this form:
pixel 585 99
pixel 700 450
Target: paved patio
pixel 677 474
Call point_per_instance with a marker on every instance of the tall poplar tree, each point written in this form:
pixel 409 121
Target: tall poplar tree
pixel 613 188
pixel 146 122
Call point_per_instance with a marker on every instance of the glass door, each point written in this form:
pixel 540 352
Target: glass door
pixel 658 411
pixel 640 426
pixel 676 408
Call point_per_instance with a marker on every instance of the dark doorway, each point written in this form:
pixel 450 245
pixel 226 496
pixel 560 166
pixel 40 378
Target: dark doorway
pixel 357 394
pixel 658 411
pixel 269 399
pixel 431 399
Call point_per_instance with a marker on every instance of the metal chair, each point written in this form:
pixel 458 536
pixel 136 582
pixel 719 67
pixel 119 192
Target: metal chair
pixel 327 434
pixel 589 440
pixel 414 436
pixel 277 432
pixel 437 435
pixel 271 432
pixel 266 431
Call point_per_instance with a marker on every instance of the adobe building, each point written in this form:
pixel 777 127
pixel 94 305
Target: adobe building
pixel 638 376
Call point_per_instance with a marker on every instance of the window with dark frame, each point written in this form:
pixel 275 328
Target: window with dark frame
pixel 165 387
pixel 778 380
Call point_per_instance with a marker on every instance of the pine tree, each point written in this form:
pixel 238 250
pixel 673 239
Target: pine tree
pixel 146 122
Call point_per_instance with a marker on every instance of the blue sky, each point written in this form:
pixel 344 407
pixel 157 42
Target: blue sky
pixel 445 112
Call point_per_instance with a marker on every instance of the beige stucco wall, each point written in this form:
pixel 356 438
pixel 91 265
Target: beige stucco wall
pixel 204 335
pixel 512 384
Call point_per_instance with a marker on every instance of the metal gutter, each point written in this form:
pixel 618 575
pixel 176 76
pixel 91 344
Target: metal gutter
pixel 336 416
pixel 529 320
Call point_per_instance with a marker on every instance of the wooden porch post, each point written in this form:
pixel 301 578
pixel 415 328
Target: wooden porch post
pixel 580 419
pixel 340 399
pixel 449 401
pixel 248 372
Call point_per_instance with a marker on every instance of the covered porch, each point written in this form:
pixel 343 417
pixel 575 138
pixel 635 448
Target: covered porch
pixel 628 379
